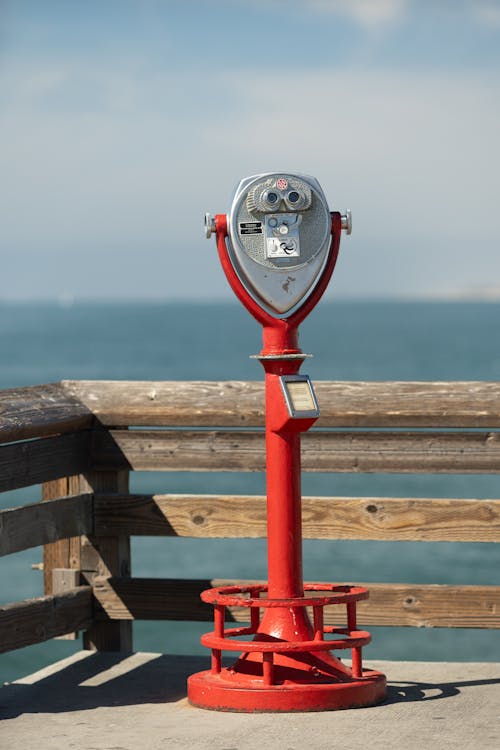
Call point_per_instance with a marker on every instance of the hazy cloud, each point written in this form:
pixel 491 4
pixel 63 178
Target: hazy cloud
pixel 366 12
pixel 488 13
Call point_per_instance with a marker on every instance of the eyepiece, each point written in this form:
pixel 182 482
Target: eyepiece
pixel 298 199
pixel 272 197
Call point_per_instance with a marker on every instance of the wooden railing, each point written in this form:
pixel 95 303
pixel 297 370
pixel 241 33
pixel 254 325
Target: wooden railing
pixel 74 439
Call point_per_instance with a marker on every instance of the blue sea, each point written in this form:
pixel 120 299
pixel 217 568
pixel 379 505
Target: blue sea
pixel 350 340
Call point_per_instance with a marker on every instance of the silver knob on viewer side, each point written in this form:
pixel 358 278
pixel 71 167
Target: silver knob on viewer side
pixel 209 226
pixel 346 221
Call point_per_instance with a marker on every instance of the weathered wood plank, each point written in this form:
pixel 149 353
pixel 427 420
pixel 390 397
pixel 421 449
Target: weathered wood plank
pixel 36 461
pixel 389 604
pixel 37 411
pixel 63 580
pixel 173 403
pixel 241 403
pixel 107 555
pixel 173 450
pixel 40 523
pixel 434 606
pixel 212 450
pixel 416 519
pixel 65 552
pixel 36 620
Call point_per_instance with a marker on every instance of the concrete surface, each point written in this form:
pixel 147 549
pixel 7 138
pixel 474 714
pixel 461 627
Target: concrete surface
pixel 104 701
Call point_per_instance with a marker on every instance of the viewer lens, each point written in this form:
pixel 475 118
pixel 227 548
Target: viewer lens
pixel 293 196
pixel 272 198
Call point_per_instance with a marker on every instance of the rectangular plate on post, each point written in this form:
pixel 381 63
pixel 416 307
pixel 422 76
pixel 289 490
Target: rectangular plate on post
pixel 299 396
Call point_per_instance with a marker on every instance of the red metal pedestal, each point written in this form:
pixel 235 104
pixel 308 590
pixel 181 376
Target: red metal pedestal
pixel 287 665
pixel 292 671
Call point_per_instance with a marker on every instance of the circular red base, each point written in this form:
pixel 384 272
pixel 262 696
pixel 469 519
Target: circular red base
pixel 221 692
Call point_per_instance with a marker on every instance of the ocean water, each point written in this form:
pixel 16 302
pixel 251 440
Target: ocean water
pixel 350 340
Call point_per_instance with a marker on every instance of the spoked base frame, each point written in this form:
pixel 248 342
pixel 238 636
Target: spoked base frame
pixel 288 665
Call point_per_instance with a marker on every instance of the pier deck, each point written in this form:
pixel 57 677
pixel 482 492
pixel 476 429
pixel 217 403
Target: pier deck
pixel 112 701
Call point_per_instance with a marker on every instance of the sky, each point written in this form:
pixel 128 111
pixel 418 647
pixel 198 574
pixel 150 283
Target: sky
pixel 123 121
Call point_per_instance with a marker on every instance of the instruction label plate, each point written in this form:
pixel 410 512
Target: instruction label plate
pixel 299 396
pixel 250 227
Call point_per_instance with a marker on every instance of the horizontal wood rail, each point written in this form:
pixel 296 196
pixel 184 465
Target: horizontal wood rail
pixel 240 403
pixel 35 461
pixel 389 604
pixel 35 620
pixel 240 516
pixel 41 523
pixel 217 450
pixel 40 410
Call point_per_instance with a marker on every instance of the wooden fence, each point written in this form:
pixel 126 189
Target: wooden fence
pixel 74 438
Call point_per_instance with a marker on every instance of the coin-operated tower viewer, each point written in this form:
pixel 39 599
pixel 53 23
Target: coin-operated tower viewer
pixel 278 247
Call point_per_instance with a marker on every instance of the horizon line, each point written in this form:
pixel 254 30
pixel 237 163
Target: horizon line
pixel 69 300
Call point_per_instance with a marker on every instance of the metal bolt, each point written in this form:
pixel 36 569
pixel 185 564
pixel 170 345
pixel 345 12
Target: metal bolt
pixel 346 221
pixel 209 226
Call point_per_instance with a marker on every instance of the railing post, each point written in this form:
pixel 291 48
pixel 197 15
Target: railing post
pixel 66 553
pixel 106 556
